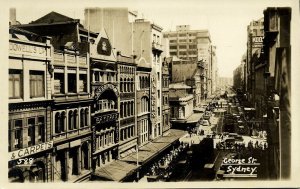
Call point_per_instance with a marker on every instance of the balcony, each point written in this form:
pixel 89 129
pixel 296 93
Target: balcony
pixel 72 133
pixel 157 47
pixel 74 60
pixel 201 64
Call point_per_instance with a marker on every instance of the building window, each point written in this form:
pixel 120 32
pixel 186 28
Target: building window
pixel 72 88
pixel 97 78
pixel 59 83
pixel 15 84
pixel 41 129
pixel 121 85
pixel 31 131
pixel 18 143
pixel 82 118
pixel 82 83
pixel 37 86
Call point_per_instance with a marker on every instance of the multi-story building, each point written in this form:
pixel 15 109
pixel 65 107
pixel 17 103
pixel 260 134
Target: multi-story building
pixel 105 107
pixel 194 46
pixel 214 68
pixel 277 50
pixel 238 77
pixel 255 34
pixel 165 87
pixel 30 141
pixel 71 129
pixel 128 118
pixel 181 104
pixel 148 48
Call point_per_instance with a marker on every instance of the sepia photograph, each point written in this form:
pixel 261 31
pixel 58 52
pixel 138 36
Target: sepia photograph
pixel 169 93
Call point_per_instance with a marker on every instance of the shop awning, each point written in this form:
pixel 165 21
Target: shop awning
pixel 115 171
pixel 152 149
pixel 199 110
pixel 194 118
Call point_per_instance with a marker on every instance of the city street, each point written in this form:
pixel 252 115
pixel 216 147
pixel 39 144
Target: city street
pixel 106 94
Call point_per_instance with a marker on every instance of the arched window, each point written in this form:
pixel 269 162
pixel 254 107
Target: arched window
pixel 125 109
pixel 140 83
pixel 128 85
pixel 101 77
pixel 132 85
pixel 62 121
pixel 75 116
pixel 121 109
pixel 132 108
pixel 112 77
pixel 70 120
pixel 125 85
pixel 107 76
pixel 57 122
pixel 82 118
pixel 142 104
pixel 86 117
pixel 121 85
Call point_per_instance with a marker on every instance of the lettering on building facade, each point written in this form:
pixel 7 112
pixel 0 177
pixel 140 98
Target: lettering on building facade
pixel 24 49
pixel 105 118
pixel 101 89
pixel 153 99
pixel 30 150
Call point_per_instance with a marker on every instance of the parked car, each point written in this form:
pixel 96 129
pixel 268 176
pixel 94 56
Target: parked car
pixel 205 127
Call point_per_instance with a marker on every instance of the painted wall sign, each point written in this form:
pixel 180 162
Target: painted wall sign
pixel 25 49
pixel 30 150
pixel 101 89
pixel 257 41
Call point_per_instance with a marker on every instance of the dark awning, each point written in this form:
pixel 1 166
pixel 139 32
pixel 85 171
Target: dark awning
pixel 152 149
pixel 116 171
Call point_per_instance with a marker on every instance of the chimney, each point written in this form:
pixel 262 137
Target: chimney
pixel 12 16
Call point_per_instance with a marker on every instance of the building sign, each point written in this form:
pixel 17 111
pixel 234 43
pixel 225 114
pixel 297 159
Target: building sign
pixel 257 41
pixel 104 47
pixel 26 49
pixel 30 150
pixel 101 89
pixel 153 99
pixel 105 118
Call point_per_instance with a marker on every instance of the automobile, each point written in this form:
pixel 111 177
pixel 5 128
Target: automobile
pixel 206 117
pixel 233 135
pixel 205 127
pixel 239 138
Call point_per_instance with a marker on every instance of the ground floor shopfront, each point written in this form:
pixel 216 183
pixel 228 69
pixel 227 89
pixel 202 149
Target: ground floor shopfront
pixel 71 160
pixel 136 164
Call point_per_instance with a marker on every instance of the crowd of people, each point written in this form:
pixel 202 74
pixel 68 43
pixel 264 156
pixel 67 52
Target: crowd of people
pixel 167 161
pixel 224 145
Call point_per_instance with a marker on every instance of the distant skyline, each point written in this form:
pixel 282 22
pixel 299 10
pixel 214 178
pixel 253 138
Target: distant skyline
pixel 226 20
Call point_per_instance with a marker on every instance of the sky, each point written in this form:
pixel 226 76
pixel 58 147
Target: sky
pixel 226 20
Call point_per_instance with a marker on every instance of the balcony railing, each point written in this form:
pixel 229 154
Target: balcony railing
pixel 157 46
pixel 71 133
pixel 61 58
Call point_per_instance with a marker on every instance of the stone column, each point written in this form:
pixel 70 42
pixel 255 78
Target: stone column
pixel 79 160
pixel 66 164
